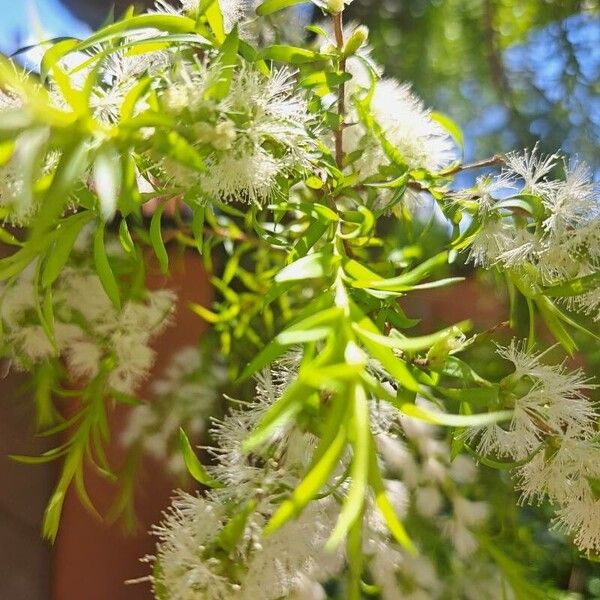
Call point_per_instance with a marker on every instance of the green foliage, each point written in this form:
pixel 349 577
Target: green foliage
pixel 318 265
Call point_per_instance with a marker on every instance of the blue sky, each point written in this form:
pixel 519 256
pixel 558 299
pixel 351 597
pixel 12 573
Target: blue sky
pixel 53 20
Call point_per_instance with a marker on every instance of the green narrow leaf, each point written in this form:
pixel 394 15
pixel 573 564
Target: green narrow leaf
pixel 229 537
pixel 270 6
pixel 554 324
pixel 290 54
pixel 408 279
pixel 212 11
pixel 60 250
pixel 413 344
pixel 440 418
pixel 8 238
pixel 156 239
pixel 450 126
pixel 384 505
pixel 354 501
pixel 395 366
pixel 103 269
pixel 227 60
pixel 179 149
pixel 285 408
pixel 162 22
pixel 329 452
pixel 194 466
pixel 71 166
pixel 354 550
pixel 574 287
pixel 311 266
pixel 125 237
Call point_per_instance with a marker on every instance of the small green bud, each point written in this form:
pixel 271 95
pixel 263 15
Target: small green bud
pixel 356 40
pixel 224 135
pixel 335 6
pixel 175 99
pixel 203 132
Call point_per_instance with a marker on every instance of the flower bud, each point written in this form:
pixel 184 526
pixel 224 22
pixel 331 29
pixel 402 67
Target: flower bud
pixel 224 135
pixel 203 132
pixel 356 40
pixel 175 99
pixel 335 6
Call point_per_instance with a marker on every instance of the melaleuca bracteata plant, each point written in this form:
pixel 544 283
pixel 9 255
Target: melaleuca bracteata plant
pixel 310 184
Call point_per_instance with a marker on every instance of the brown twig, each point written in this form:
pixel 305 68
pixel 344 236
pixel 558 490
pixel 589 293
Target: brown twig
pixel 339 133
pixel 493 161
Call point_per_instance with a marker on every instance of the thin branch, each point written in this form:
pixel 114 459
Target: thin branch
pixel 339 134
pixel 493 161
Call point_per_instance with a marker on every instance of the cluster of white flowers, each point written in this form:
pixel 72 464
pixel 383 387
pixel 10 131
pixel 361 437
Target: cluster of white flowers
pixel 184 396
pixel 422 480
pixel 121 72
pixel 283 26
pixel 15 207
pixel 561 239
pixel 292 563
pixel 556 425
pixel 259 132
pixel 87 328
pixel 191 561
pixel 409 127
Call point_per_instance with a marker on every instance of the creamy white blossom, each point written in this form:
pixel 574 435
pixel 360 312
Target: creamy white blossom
pixel 408 126
pixel 559 239
pixel 546 400
pixel 87 328
pixel 259 132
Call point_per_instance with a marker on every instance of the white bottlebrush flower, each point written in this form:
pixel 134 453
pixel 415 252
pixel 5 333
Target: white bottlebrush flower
pixel 493 239
pixel 274 567
pixel 259 132
pixel 247 177
pixel 564 473
pixel 87 327
pixel 9 100
pixel 463 469
pixel 283 561
pixel 580 516
pixel 134 360
pixel 547 399
pixel 558 242
pixel 121 70
pixel 20 207
pixel 533 168
pixel 571 202
pixel 307 589
pixel 428 501
pixel 32 342
pixel 289 451
pixel 522 250
pixel 83 359
pixel 408 126
pixel 561 473
pixel 461 537
pixel 189 526
pixel 588 303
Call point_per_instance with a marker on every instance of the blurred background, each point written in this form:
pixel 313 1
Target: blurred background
pixel 509 72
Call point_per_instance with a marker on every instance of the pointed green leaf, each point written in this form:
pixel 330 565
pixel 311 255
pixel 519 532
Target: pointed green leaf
pixel 103 268
pixel 156 239
pixel 194 466
pixel 270 6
